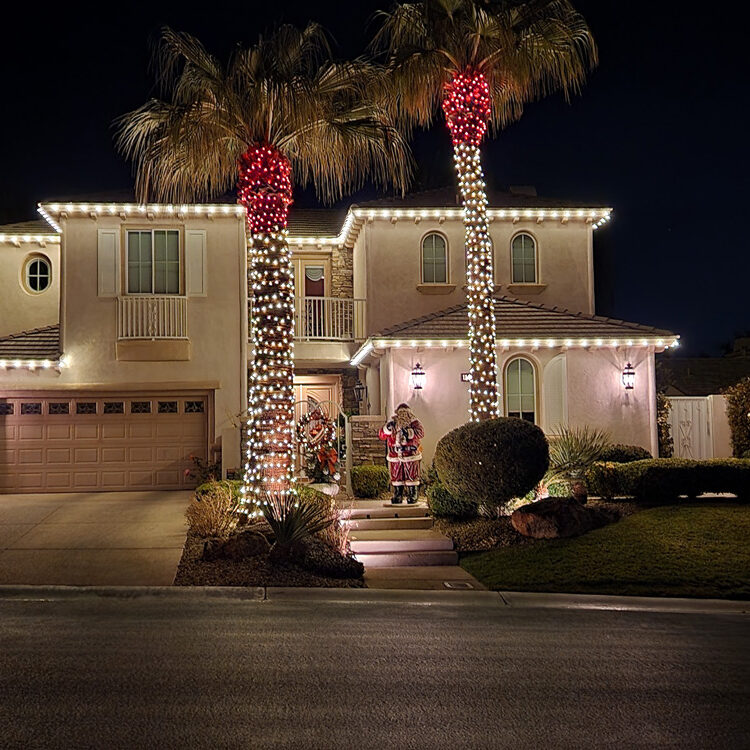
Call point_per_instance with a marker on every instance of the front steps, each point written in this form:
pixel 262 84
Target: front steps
pixel 397 536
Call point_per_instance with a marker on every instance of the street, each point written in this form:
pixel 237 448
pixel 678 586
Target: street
pixel 182 669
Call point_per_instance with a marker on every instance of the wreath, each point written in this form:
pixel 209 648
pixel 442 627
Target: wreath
pixel 316 434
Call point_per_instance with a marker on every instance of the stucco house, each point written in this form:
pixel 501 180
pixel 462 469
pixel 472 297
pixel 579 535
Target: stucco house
pixel 124 333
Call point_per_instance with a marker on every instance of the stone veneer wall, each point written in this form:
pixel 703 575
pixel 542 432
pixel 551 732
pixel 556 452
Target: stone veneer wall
pixel 342 272
pixel 367 448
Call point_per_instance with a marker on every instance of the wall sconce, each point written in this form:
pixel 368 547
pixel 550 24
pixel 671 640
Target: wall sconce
pixel 417 377
pixel 628 377
pixel 360 389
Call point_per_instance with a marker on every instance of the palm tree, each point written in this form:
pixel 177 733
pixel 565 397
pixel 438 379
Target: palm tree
pixel 279 113
pixel 481 60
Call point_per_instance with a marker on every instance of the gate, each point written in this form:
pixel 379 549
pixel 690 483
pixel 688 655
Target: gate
pixel 691 427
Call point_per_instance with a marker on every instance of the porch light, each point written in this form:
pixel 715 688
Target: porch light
pixel 417 378
pixel 359 391
pixel 628 377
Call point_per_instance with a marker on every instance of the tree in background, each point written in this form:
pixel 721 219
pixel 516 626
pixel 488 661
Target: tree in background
pixel 280 113
pixel 480 61
pixel 738 415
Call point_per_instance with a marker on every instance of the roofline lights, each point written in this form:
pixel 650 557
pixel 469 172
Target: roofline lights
pixel 40 239
pixel 509 343
pixel 33 364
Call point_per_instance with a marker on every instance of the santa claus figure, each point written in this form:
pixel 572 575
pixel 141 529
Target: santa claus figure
pixel 403 434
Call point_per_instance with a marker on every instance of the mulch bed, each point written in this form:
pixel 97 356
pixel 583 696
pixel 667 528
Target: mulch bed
pixel 252 571
pixel 480 534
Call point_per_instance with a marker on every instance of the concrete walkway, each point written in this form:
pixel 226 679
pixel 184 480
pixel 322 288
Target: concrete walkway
pixel 92 538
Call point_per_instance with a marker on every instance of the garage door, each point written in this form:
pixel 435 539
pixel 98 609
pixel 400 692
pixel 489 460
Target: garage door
pixel 58 442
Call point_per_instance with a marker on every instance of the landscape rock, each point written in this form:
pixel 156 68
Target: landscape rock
pixel 239 546
pixel 315 555
pixel 554 518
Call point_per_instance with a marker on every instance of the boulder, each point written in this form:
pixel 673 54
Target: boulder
pixel 239 546
pixel 313 554
pixel 553 518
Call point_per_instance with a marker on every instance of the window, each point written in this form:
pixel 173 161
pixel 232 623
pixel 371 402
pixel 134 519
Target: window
pixel 114 407
pixel 434 260
pixel 37 274
pixel 85 407
pixel 520 389
pixel 56 408
pixel 154 261
pixel 194 407
pixel 140 407
pixel 32 408
pixel 167 407
pixel 523 258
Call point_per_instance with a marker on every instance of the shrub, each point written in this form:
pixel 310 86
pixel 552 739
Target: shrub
pixel 738 408
pixel 664 426
pixel 233 485
pixel 490 462
pixel 370 481
pixel 665 479
pixel 573 450
pixel 443 505
pixel 624 454
pixel 292 519
pixel 213 511
pixel 203 471
pixel 336 534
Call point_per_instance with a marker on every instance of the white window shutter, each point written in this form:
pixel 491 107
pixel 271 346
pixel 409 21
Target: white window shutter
pixel 196 262
pixel 107 262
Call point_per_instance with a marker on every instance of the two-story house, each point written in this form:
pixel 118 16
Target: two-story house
pixel 124 332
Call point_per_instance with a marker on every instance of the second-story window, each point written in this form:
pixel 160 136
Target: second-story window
pixel 154 261
pixel 523 259
pixel 434 260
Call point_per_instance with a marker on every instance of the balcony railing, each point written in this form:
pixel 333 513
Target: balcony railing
pixel 152 317
pixel 329 319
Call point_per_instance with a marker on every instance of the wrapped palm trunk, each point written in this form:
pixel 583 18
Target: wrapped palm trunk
pixel 265 191
pixel 467 109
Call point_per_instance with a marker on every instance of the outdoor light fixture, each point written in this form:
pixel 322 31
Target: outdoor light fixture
pixel 628 377
pixel 417 377
pixel 359 391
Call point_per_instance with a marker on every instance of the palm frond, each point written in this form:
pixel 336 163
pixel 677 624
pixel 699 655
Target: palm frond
pixel 292 519
pixel 573 450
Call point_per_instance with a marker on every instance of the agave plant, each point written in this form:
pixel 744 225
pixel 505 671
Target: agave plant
pixel 292 519
pixel 571 453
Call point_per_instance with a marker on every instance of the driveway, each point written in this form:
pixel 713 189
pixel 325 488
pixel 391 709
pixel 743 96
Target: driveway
pixel 92 538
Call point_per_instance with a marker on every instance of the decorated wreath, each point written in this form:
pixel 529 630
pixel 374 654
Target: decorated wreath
pixel 316 434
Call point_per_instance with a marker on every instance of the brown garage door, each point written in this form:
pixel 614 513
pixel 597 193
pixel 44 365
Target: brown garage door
pixel 62 442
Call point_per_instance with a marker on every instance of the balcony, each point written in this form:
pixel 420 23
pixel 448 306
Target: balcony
pixel 152 317
pixel 152 328
pixel 329 319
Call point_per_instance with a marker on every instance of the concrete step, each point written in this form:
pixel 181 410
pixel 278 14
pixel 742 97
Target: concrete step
pixel 407 559
pixel 389 511
pixel 399 540
pixel 380 524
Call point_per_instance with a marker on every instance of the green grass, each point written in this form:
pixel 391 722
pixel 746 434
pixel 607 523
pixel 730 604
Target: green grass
pixel 694 550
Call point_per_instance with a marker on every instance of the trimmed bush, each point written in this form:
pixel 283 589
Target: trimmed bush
pixel 232 485
pixel 213 511
pixel 738 407
pixel 443 505
pixel 663 480
pixel 624 454
pixel 490 462
pixel 370 481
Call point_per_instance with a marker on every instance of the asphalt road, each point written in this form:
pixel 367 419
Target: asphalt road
pixel 182 671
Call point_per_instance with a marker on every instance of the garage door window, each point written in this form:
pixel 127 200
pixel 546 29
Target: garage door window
pixel 140 407
pixel 114 407
pixel 86 407
pixel 194 407
pixel 6 410
pixel 57 409
pixel 167 407
pixel 32 408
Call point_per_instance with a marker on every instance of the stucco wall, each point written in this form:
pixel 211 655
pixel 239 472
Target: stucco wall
pixel 21 310
pixel 594 393
pixel 216 325
pixel 392 268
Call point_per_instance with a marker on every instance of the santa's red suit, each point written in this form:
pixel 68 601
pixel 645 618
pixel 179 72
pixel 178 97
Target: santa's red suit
pixel 403 434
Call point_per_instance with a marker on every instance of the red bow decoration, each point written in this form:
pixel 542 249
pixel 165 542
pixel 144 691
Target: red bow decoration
pixel 327 457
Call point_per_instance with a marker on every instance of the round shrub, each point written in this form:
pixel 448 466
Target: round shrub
pixel 490 462
pixel 620 453
pixel 370 481
pixel 443 505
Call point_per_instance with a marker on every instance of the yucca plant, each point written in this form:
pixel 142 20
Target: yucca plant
pixel 292 519
pixel 572 451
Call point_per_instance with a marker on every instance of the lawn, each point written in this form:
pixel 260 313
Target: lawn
pixel 693 549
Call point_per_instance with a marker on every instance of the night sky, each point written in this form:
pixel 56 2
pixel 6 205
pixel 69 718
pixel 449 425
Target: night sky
pixel 660 133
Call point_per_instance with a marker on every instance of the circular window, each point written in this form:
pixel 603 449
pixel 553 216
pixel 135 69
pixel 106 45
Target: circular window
pixel 38 274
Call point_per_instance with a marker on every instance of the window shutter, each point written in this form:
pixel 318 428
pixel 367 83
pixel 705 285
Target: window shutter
pixel 107 262
pixel 195 262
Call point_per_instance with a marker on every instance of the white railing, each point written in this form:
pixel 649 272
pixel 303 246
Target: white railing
pixel 152 317
pixel 329 319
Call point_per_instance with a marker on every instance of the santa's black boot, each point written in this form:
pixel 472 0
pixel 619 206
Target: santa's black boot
pixel 413 492
pixel 398 495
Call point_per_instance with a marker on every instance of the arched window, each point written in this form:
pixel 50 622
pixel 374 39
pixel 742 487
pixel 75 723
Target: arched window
pixel 523 259
pixel 434 259
pixel 37 274
pixel 520 389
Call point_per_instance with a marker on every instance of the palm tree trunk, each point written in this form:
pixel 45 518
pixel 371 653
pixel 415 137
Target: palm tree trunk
pixel 265 190
pixel 467 108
